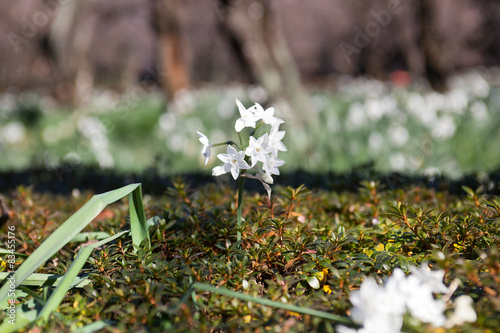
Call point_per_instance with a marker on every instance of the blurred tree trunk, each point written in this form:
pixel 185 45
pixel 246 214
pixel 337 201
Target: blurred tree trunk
pixel 166 22
pixel 255 31
pixel 488 42
pixel 408 39
pixel 437 64
pixel 71 38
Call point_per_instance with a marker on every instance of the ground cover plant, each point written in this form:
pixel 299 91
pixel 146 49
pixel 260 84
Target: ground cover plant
pixel 309 248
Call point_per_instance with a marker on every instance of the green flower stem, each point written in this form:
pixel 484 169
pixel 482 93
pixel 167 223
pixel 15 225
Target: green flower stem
pixel 256 128
pixel 225 143
pixel 267 302
pixel 241 182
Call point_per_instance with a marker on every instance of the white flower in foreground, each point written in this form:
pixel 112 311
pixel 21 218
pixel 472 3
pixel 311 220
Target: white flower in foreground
pixel 433 279
pixel 268 117
pixel 373 310
pixel 275 137
pixel 257 149
pixel 464 312
pixel 421 303
pixel 206 146
pixel 248 117
pixel 233 161
pixel 381 308
pixel 271 165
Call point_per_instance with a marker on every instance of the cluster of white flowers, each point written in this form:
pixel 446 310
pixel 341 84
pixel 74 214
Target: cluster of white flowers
pixel 263 149
pixel 380 308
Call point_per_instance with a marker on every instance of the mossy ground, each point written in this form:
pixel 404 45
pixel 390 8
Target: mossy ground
pixel 305 247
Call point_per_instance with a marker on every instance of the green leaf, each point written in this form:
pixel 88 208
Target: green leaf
pixel 86 236
pixel 263 301
pixel 94 327
pixel 38 279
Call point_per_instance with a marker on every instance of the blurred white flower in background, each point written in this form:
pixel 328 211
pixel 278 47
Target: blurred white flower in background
pixel 176 142
pixel 444 127
pixel 333 123
pixel 168 122
pixel 7 102
pixel 376 142
pixel 95 132
pixel 479 112
pixel 456 101
pixel 13 133
pixel 356 117
pixel 397 161
pixel 398 134
pixel 183 103
pixel 257 94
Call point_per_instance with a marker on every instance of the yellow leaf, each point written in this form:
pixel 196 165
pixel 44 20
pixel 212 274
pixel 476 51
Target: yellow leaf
pixel 325 274
pixel 380 247
pixel 295 314
pixel 247 318
pixel 327 289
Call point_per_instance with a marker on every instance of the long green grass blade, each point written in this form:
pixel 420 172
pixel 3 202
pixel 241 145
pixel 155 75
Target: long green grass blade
pixel 39 279
pixel 138 223
pixel 4 251
pixel 22 318
pixel 86 236
pixel 267 302
pixel 94 327
pixel 62 289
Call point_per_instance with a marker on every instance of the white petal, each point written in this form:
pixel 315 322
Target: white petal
pixel 241 108
pixel 243 164
pixel 224 157
pixel 231 151
pixel 227 167
pixel 203 138
pixel 235 171
pixel 218 170
pixel 239 125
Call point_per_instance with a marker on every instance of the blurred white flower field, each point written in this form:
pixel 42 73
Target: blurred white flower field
pixel 412 130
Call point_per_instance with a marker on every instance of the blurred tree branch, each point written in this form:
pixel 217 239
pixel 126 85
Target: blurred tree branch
pixel 166 22
pixel 255 30
pixel 437 64
pixel 71 37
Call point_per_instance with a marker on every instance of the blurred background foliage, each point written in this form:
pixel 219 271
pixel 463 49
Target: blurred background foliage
pixel 409 86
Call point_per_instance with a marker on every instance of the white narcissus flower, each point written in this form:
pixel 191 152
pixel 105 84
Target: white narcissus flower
pixel 257 149
pixel 233 161
pixel 271 165
pixel 464 312
pixel 275 137
pixel 248 117
pixel 421 303
pixel 268 117
pixel 433 279
pixel 206 146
